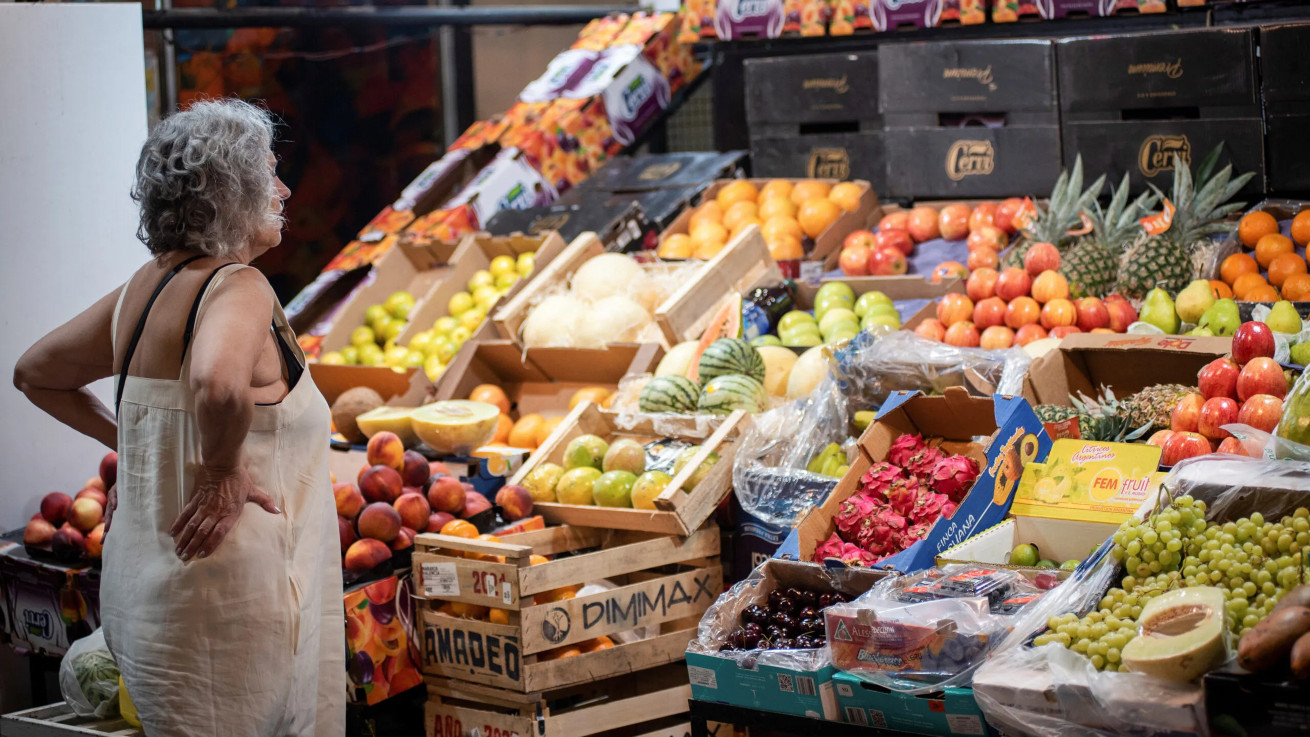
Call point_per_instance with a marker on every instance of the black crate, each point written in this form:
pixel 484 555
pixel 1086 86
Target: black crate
pixel 664 171
pixel 953 163
pixel 1205 73
pixel 1145 148
pixel 1265 704
pixel 621 227
pixel 917 82
pixel 828 156
pixel 1285 89
pixel 820 88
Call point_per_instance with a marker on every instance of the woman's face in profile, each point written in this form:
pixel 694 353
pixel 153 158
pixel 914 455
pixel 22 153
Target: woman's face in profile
pixel 271 235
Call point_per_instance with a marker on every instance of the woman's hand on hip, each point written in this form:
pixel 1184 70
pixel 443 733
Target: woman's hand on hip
pixel 110 506
pixel 215 507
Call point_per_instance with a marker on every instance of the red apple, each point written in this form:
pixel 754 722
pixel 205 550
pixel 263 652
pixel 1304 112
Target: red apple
pixel 854 261
pixel 988 236
pixel 1216 413
pixel 899 220
pixel 953 221
pixel 1005 213
pixel 1218 378
pixel 894 238
pixel 1041 257
pixel 1261 411
pixel 1028 333
pixel 887 262
pixel 1235 447
pixel 1187 413
pixel 861 238
pixel 963 334
pixel 1060 331
pixel 1260 375
pixel 932 329
pixel 1013 283
pixel 983 215
pixel 1160 437
pixel 996 337
pixel 1183 445
pixel 1092 314
pixel 1252 340
pixel 989 313
pixel 923 223
pixel 55 506
pixel 981 284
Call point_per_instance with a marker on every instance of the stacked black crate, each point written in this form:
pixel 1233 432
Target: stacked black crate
pixel 1285 91
pixel 969 119
pixel 1130 103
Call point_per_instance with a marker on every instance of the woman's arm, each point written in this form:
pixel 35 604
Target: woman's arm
pixel 223 354
pixel 56 370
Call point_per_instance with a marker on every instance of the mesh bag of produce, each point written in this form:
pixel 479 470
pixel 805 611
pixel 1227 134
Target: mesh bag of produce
pixel 88 677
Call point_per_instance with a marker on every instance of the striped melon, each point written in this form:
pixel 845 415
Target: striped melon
pixel 724 394
pixel 669 394
pixel 730 356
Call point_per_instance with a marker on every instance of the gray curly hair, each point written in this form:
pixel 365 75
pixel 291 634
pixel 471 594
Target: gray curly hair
pixel 203 181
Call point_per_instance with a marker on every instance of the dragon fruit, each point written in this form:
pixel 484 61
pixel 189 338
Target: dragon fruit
pixel 904 448
pixel 928 507
pixel 854 511
pixel 914 533
pixel 848 553
pixel 830 548
pixel 954 476
pixel 879 477
pixel 948 509
pixel 921 464
pixel 903 495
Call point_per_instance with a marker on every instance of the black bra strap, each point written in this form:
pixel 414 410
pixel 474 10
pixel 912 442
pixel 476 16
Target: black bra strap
pixel 195 310
pixel 140 328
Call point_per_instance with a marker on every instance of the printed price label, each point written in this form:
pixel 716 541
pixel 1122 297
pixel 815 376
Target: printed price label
pixel 703 677
pixel 506 593
pixel 964 724
pixel 440 580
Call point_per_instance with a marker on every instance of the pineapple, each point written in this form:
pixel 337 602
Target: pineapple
pixel 1054 412
pixel 1051 224
pixel 1154 404
pixel 1105 420
pixel 1167 260
pixel 1092 265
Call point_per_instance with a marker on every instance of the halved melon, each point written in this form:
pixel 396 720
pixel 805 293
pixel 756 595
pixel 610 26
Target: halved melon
pixel 726 323
pixel 455 426
pixel 388 419
pixel 1181 635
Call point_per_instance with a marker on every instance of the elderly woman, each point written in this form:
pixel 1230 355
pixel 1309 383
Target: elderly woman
pixel 221 593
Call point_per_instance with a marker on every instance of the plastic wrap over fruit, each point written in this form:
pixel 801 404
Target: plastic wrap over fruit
pixel 1235 486
pixel 628 416
pixel 88 677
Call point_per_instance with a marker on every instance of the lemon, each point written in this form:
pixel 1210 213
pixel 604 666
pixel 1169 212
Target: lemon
pixel 505 281
pixel 362 336
pixel 472 319
pixel 444 325
pixel 460 335
pixel 525 263
pixel 486 296
pixel 126 708
pixel 391 330
pixel 502 265
pixel 422 341
pixel 399 304
pixel 481 278
pixel 395 355
pixel 351 355
pixel 444 349
pixel 375 314
pixel 332 358
pixel 371 355
pixel 433 367
pixel 460 303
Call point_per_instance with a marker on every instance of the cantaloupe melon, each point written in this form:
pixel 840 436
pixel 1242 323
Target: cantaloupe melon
pixel 389 419
pixel 455 426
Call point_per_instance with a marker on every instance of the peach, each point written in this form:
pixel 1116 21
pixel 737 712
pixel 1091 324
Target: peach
pixel 515 502
pixel 954 308
pixel 932 329
pixel 953 221
pixel 988 236
pixel 365 555
pixel 1092 314
pixel 1041 257
pixel 923 224
pixel 437 468
pixel 404 539
pixel 996 337
pixel 983 215
pixel 413 509
pixel 438 520
pixel 39 531
pixel 359 477
pixel 96 482
pixel 1186 416
pixel 989 313
pixel 55 506
pixel 385 449
pixel 414 469
pixel 95 541
pixel 981 284
pixel 85 514
pixel 1261 411
pixel 1058 312
pixel 379 521
pixel 1022 311
pixel 345 531
pixel 109 469
pixel 446 494
pixel 1060 331
pixel 1013 283
pixel 983 258
pixel 899 220
pixel 91 492
pixel 349 500
pixel 1216 413
pixel 380 484
pixel 1028 333
pixel 893 238
pixel 1261 375
pixel 474 503
pixel 1050 285
pixel 963 334
pixel 68 542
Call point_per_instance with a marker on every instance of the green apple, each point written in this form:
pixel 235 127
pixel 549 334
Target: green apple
pixel 834 316
pixel 803 340
pixel 892 321
pixel 844 331
pixel 795 317
pixel 867 301
pixel 828 302
pixel 766 340
pixel 836 288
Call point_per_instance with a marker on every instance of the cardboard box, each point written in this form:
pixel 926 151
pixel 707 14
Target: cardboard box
pixel 820 88
pixel 509 182
pixel 955 419
pixel 377 641
pixel 1285 92
pixel 1263 704
pixel 1009 11
pixel 804 691
pixel 1125 364
pixel 951 711
pixel 740 19
pixel 663 171
pixel 45 605
pixel 965 162
pixel 621 227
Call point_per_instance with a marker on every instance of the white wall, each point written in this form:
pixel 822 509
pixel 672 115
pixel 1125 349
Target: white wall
pixel 72 120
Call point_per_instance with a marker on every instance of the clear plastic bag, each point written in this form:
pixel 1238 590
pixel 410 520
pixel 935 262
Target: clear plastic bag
pixel 88 677
pixel 1235 486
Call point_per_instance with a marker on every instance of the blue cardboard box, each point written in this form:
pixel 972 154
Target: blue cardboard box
pixel 952 711
pixel 795 682
pixel 1017 438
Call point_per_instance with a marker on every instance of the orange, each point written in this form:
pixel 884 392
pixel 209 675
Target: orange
pixel 1270 246
pixel 491 394
pixel 780 225
pixel 595 394
pixel 776 188
pixel 1254 226
pixel 1246 282
pixel 1301 228
pixel 786 248
pixel 460 528
pixel 547 428
pixel 739 212
pixel 468 611
pixel 801 192
pixel 1220 290
pixel 560 652
pixel 708 233
pixel 560 594
pixel 679 245
pixel 480 556
pixel 536 560
pixel 847 195
pixel 504 425
pixel 741 226
pixel 708 250
pixel 771 206
pixel 524 434
pixel 1297 287
pixel 708 212
pixel 738 190
pixel 1283 266
pixel 498 616
pixel 816 215
pixel 600 643
pixel 1265 293
pixel 1236 265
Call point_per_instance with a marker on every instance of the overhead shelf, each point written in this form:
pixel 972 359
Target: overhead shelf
pixel 411 16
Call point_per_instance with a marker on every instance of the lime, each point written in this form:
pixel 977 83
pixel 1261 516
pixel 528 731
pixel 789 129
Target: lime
pixel 1048 564
pixel 614 489
pixel 649 485
pixel 1069 565
pixel 1024 555
pixel 585 451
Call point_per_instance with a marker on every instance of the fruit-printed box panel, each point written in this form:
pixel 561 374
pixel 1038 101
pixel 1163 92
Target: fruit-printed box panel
pixel 1009 11
pixel 822 156
pixel 1145 149
pixel 1210 68
pixel 664 171
pixel 892 15
pixel 45 605
pixel 967 77
pixel 954 163
pixel 950 712
pixel 812 89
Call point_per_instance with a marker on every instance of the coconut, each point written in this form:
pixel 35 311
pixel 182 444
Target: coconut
pixel 677 360
pixel 778 363
pixel 554 322
pixel 807 372
pixel 615 319
pixel 351 404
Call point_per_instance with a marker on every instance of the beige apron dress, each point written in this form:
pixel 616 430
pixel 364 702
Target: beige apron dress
pixel 249 641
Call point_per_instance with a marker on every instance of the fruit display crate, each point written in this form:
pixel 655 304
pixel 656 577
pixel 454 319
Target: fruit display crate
pixel 637 704
pixel 58 720
pixel 662 585
pixel 745 263
pixel 677 512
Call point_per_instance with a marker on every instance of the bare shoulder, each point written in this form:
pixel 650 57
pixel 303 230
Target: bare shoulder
pixel 246 287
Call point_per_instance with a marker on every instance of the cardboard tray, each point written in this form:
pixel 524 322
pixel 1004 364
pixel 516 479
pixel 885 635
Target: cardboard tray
pixel 677 512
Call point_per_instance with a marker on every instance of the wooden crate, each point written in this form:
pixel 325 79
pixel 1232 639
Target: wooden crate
pixel 662 582
pixel 744 264
pixel 58 720
pixel 677 512
pixel 457 709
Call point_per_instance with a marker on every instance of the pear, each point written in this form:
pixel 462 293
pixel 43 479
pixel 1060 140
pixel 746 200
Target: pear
pixel 1203 332
pixel 1158 310
pixel 1194 300
pixel 1301 354
pixel 1283 318
pixel 1222 318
